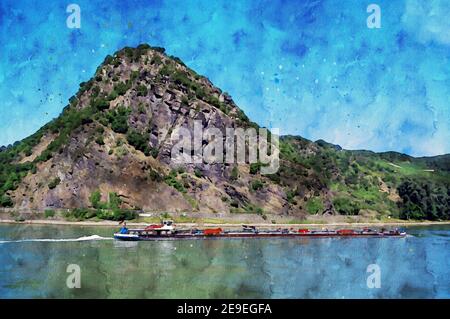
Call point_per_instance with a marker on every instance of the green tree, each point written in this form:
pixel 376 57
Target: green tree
pixel 139 141
pixel 345 206
pixel 114 201
pixel 95 199
pixel 54 182
pixel 5 201
pixel 234 173
pixel 314 205
pixel 256 185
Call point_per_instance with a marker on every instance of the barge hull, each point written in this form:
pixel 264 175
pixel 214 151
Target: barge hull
pixel 191 236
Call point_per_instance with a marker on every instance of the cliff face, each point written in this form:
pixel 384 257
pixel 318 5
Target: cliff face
pixel 115 138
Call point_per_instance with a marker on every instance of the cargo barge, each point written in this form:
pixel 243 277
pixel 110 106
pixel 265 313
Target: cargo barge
pixel 167 231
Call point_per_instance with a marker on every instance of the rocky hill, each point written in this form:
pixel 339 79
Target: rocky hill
pixel 110 149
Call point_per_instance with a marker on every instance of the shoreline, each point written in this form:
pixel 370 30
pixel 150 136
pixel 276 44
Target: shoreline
pixel 224 225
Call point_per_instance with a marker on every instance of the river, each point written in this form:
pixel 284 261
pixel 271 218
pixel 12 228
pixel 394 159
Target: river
pixel 34 261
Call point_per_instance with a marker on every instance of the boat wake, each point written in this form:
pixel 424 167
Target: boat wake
pixel 84 238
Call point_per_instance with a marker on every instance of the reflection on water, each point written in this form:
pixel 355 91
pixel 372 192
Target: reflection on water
pixel 412 267
pixel 126 244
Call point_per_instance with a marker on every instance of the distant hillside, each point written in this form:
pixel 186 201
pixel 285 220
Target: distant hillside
pixel 108 153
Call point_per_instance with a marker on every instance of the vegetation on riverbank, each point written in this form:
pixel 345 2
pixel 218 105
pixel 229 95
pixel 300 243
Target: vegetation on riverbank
pixel 183 221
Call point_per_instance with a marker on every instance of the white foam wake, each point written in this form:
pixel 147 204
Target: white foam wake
pixel 84 238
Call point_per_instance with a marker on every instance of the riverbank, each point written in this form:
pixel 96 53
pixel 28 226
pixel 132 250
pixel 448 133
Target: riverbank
pixel 224 220
pixel 230 225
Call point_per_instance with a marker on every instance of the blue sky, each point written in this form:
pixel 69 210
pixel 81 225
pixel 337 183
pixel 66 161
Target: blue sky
pixel 310 68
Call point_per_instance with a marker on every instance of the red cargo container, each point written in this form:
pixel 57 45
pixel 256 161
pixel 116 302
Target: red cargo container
pixel 212 232
pixel 346 232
